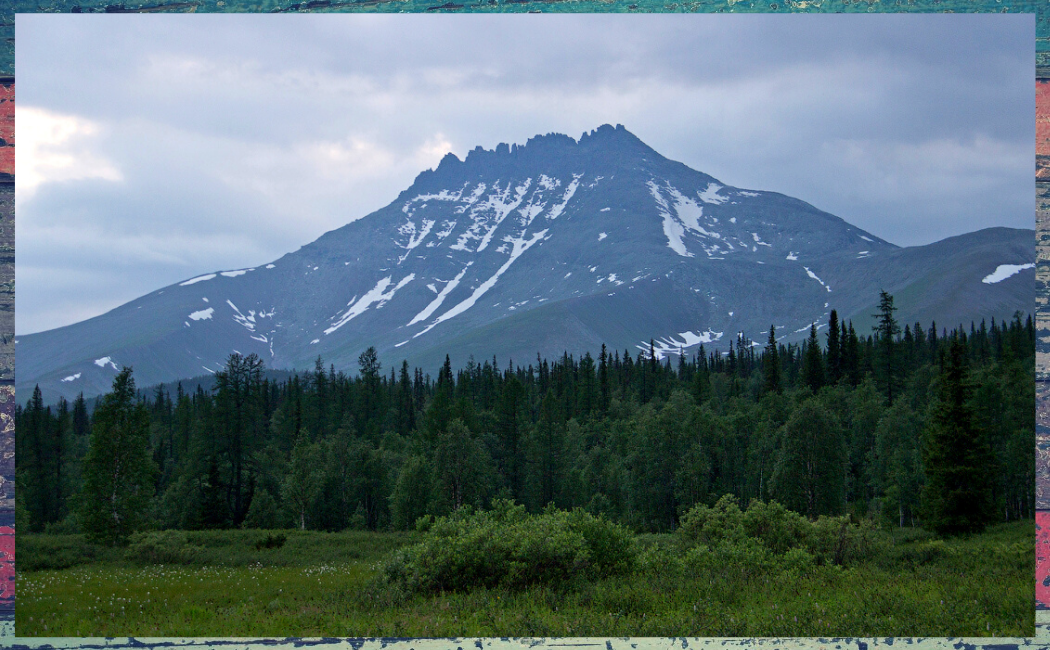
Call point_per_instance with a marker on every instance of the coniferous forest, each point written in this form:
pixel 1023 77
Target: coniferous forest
pixel 882 425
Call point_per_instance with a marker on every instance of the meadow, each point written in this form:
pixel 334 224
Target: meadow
pixel 308 583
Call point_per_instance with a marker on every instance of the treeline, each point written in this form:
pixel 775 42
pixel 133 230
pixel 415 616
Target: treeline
pixel 886 425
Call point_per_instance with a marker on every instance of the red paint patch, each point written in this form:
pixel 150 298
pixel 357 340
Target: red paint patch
pixel 7 565
pixel 1042 129
pixel 1042 558
pixel 7 128
pixel 1042 117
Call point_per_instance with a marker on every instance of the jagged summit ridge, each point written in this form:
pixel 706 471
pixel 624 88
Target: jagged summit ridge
pixel 554 245
pixel 605 139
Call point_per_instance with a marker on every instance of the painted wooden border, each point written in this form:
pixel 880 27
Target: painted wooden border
pixel 8 9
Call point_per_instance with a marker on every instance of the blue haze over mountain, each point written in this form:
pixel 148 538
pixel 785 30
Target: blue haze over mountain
pixel 552 246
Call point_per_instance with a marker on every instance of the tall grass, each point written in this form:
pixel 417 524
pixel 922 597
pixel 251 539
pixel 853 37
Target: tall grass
pixel 319 584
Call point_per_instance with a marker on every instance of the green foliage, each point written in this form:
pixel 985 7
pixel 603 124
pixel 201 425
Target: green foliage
pixel 635 440
pixel 118 469
pixel 263 512
pixel 510 549
pixel 271 541
pixel 768 530
pixel 324 581
pixel 411 495
pixel 50 552
pixel 958 496
pixel 162 547
pixel 810 474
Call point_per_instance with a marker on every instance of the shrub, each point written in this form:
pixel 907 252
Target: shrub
pixel 271 541
pixel 798 560
pixel 49 552
pixel 704 525
pixel 778 528
pixel 508 548
pixel 923 552
pixel 162 547
pixel 768 530
pixel 836 541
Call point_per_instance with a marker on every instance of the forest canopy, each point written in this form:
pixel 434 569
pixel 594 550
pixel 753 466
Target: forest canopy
pixel 872 425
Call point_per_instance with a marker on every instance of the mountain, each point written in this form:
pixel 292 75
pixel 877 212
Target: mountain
pixel 556 245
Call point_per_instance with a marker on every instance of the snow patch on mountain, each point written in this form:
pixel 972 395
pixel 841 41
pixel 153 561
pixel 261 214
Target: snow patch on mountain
pixel 711 195
pixel 203 314
pixel 814 276
pixel 248 322
pixel 199 278
pixel 233 274
pixel 376 295
pixel 569 191
pixel 487 215
pixel 443 195
pixel 415 236
pixel 672 345
pixel 472 199
pixel 548 183
pixel 436 302
pixel 602 236
pixel 1004 271
pixel 104 361
pixel 72 377
pixel 520 245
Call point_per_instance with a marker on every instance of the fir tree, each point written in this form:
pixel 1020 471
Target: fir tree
pixel 771 364
pixel 886 330
pixel 958 493
pixel 834 356
pixel 813 368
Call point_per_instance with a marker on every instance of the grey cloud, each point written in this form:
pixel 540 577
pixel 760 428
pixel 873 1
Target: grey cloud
pixel 268 130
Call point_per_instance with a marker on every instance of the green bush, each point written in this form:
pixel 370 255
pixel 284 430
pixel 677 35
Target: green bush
pixel 271 541
pixel 711 526
pixel 508 548
pixel 162 547
pixel 836 541
pixel 769 530
pixel 778 528
pixel 923 552
pixel 50 552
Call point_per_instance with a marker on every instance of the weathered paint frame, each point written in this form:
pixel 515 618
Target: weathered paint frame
pixel 8 9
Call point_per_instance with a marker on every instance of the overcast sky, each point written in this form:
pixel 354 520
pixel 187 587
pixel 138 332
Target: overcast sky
pixel 153 148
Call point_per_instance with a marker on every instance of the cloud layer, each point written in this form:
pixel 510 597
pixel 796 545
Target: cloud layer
pixel 156 148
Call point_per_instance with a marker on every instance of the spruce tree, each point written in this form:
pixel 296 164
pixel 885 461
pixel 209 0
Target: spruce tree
pixel 813 362
pixel 956 457
pixel 886 330
pixel 834 357
pixel 771 364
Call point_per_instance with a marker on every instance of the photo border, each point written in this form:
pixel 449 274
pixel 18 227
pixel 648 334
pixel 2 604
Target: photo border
pixel 8 10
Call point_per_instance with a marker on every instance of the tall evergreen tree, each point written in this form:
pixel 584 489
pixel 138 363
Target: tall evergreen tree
pixel 958 493
pixel 813 361
pixel 834 356
pixel 771 364
pixel 886 330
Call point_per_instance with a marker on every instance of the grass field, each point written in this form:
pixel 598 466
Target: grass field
pixel 325 584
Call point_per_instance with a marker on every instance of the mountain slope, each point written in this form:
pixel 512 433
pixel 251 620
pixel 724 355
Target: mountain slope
pixel 550 246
